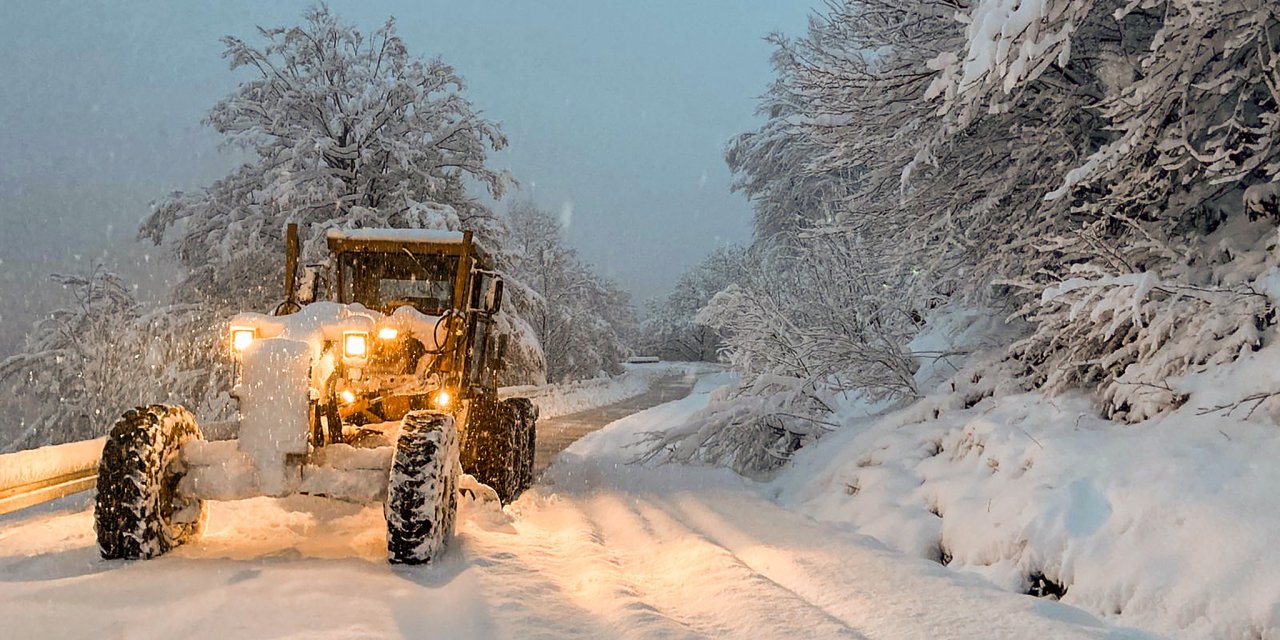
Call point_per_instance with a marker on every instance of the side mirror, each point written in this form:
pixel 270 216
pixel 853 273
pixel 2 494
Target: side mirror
pixel 493 296
pixel 487 295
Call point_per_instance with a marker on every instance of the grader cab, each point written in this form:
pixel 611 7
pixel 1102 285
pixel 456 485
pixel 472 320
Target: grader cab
pixel 374 381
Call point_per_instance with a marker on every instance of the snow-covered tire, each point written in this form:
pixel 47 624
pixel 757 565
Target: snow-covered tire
pixel 422 495
pixel 524 415
pixel 139 513
pixel 490 451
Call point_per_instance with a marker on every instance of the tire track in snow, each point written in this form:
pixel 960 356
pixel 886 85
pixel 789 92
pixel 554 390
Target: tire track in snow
pixel 885 593
pixel 556 543
pixel 702 583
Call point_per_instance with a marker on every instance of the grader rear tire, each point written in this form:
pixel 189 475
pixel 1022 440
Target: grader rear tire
pixel 139 513
pixel 524 417
pixel 422 496
pixel 489 454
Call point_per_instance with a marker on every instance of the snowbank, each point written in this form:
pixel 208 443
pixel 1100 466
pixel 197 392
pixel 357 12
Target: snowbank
pixel 23 467
pixel 1169 525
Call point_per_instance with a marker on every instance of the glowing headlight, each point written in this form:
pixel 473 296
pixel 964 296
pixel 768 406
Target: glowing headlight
pixel 387 333
pixel 441 399
pixel 355 344
pixel 347 396
pixel 241 338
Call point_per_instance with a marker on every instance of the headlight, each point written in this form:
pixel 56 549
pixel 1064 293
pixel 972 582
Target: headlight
pixel 241 338
pixel 347 396
pixel 355 344
pixel 387 333
pixel 441 399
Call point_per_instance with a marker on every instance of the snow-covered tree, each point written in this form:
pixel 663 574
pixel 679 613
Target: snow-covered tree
pixel 69 363
pixel 101 353
pixel 346 129
pixel 584 322
pixel 1191 109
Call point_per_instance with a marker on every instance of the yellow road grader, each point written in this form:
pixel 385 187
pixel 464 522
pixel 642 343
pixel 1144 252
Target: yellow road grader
pixel 374 381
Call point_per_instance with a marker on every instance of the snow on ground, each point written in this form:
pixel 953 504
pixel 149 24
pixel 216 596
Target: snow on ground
pixel 1169 525
pixel 602 548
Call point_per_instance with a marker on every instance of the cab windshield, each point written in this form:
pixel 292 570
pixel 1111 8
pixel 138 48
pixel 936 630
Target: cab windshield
pixel 384 281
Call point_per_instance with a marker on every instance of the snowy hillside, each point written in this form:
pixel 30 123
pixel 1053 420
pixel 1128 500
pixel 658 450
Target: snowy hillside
pixel 1168 525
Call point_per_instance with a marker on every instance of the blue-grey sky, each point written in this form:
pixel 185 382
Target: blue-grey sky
pixel 617 115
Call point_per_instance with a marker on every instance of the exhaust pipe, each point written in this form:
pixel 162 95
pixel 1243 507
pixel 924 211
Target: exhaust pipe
pixel 291 250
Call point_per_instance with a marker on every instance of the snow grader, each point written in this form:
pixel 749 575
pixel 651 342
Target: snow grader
pixel 374 381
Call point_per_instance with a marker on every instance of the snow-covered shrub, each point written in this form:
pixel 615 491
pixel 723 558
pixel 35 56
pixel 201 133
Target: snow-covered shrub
pixel 1131 335
pixel 753 429
pixel 88 361
pixel 1199 122
pixel 986 153
pixel 799 330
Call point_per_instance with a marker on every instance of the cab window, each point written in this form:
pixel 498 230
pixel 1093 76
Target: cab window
pixel 384 281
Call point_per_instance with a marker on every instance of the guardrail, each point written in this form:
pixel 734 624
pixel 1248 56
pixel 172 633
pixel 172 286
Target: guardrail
pixel 35 476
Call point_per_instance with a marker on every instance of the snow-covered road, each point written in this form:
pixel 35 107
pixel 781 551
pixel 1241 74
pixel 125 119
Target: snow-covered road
pixel 599 549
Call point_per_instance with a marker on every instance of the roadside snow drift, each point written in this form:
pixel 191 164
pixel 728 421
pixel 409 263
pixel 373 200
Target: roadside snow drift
pixel 1170 525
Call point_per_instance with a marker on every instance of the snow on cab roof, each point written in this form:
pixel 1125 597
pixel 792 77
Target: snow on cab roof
pixel 397 235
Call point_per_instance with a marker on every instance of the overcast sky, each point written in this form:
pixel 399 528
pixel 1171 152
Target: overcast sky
pixel 617 113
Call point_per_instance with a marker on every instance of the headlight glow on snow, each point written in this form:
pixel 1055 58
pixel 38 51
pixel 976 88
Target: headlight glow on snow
pixel 388 333
pixel 241 338
pixel 441 399
pixel 355 344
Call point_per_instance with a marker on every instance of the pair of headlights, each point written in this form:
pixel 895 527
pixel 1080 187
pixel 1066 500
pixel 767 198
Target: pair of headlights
pixel 355 344
pixel 440 399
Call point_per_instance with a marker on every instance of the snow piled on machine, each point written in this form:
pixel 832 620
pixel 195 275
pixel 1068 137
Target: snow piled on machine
pixel 322 322
pixel 275 407
pixel 436 236
pixel 1168 524
pixel 279 370
pixel 319 322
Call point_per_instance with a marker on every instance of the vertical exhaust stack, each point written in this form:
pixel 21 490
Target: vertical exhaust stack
pixel 291 250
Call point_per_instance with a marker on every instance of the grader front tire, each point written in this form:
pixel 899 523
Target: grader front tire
pixel 139 513
pixel 422 497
